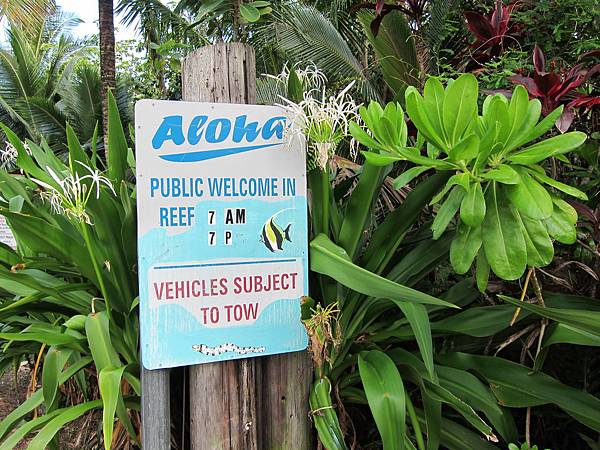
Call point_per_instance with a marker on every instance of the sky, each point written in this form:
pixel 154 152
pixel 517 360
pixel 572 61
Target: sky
pixel 87 10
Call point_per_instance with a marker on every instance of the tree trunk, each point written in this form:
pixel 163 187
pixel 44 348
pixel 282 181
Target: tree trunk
pixel 107 61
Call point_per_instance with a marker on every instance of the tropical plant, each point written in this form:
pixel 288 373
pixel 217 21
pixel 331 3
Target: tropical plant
pixel 491 31
pixel 507 217
pixel 373 335
pixel 69 290
pixel 34 68
pixel 26 13
pixel 559 87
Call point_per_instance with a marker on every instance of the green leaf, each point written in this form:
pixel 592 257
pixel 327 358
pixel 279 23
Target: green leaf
pixel 433 96
pixel 465 246
pixel 482 271
pixel 329 259
pixel 385 394
pixel 363 137
pixel 416 112
pixel 381 159
pixel 53 364
pixel 562 333
pixel 540 250
pixel 295 91
pixel 110 389
pixel 419 323
pixel 503 240
pixel 46 434
pixel 530 197
pixel 460 106
pixel 472 207
pixel 504 174
pixel 517 385
pixel 101 347
pixel 541 128
pixel 569 190
pixel 117 144
pixel 407 176
pixel 561 226
pixel 324 416
pixel 465 150
pixel 358 208
pixel 585 320
pixel 447 211
pixel 556 145
pixel 249 12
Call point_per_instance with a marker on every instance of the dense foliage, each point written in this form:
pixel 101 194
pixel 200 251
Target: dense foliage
pixel 455 260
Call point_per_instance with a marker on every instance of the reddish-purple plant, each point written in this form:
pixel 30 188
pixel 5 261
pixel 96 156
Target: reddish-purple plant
pixel 490 31
pixel 413 9
pixel 559 87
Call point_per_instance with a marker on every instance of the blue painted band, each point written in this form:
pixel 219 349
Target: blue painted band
pixel 212 154
pixel 239 263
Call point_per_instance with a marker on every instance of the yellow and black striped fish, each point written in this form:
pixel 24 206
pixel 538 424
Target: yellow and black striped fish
pixel 272 235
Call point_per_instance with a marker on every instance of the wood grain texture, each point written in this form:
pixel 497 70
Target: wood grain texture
pixel 156 411
pixel 257 403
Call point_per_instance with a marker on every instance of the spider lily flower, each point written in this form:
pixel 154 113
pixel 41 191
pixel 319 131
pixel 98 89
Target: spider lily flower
pixel 323 120
pixel 310 76
pixel 70 195
pixel 8 155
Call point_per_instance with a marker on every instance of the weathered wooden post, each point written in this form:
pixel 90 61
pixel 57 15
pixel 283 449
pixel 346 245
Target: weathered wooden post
pixel 156 411
pixel 255 403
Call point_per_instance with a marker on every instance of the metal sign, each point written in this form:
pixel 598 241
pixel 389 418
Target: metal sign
pixel 6 235
pixel 222 232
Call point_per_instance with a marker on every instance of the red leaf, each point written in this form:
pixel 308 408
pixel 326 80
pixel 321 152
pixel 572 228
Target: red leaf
pixel 479 25
pixel 379 6
pixel 539 61
pixel 563 123
pixel 529 84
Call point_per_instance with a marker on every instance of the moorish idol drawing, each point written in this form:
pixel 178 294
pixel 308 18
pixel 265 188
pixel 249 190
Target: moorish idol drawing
pixel 273 236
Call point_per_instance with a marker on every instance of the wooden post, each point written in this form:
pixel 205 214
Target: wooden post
pixel 156 411
pixel 254 403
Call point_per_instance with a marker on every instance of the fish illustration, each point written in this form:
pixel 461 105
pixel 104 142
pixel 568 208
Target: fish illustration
pixel 272 235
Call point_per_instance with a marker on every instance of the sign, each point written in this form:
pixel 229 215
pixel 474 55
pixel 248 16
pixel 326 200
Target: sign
pixel 6 235
pixel 222 232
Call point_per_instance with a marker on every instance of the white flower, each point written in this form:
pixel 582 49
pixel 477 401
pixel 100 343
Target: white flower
pixel 322 119
pixel 310 76
pixel 71 194
pixel 8 156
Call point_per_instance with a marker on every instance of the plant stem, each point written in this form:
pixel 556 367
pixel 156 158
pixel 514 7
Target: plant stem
pixel 325 200
pixel 415 422
pixel 88 244
pixel 537 288
pixel 518 310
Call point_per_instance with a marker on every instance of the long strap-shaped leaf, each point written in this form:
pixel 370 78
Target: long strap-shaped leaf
pixel 359 207
pixel 329 259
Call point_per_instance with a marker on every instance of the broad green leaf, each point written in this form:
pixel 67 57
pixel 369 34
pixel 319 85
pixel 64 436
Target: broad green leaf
pixel 481 321
pixel 385 393
pixel 465 246
pixel 541 128
pixel 447 211
pixel 381 159
pixel 504 174
pixel 408 175
pixel 561 227
pixel 416 111
pixel 249 12
pixel 109 382
pixel 556 145
pixel 530 197
pixel 482 273
pixel 472 207
pixel 419 323
pixel 330 259
pixel 465 150
pixel 460 106
pixel 540 250
pixel 433 96
pixel 517 113
pixel 456 437
pixel 503 240
pixel 363 137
